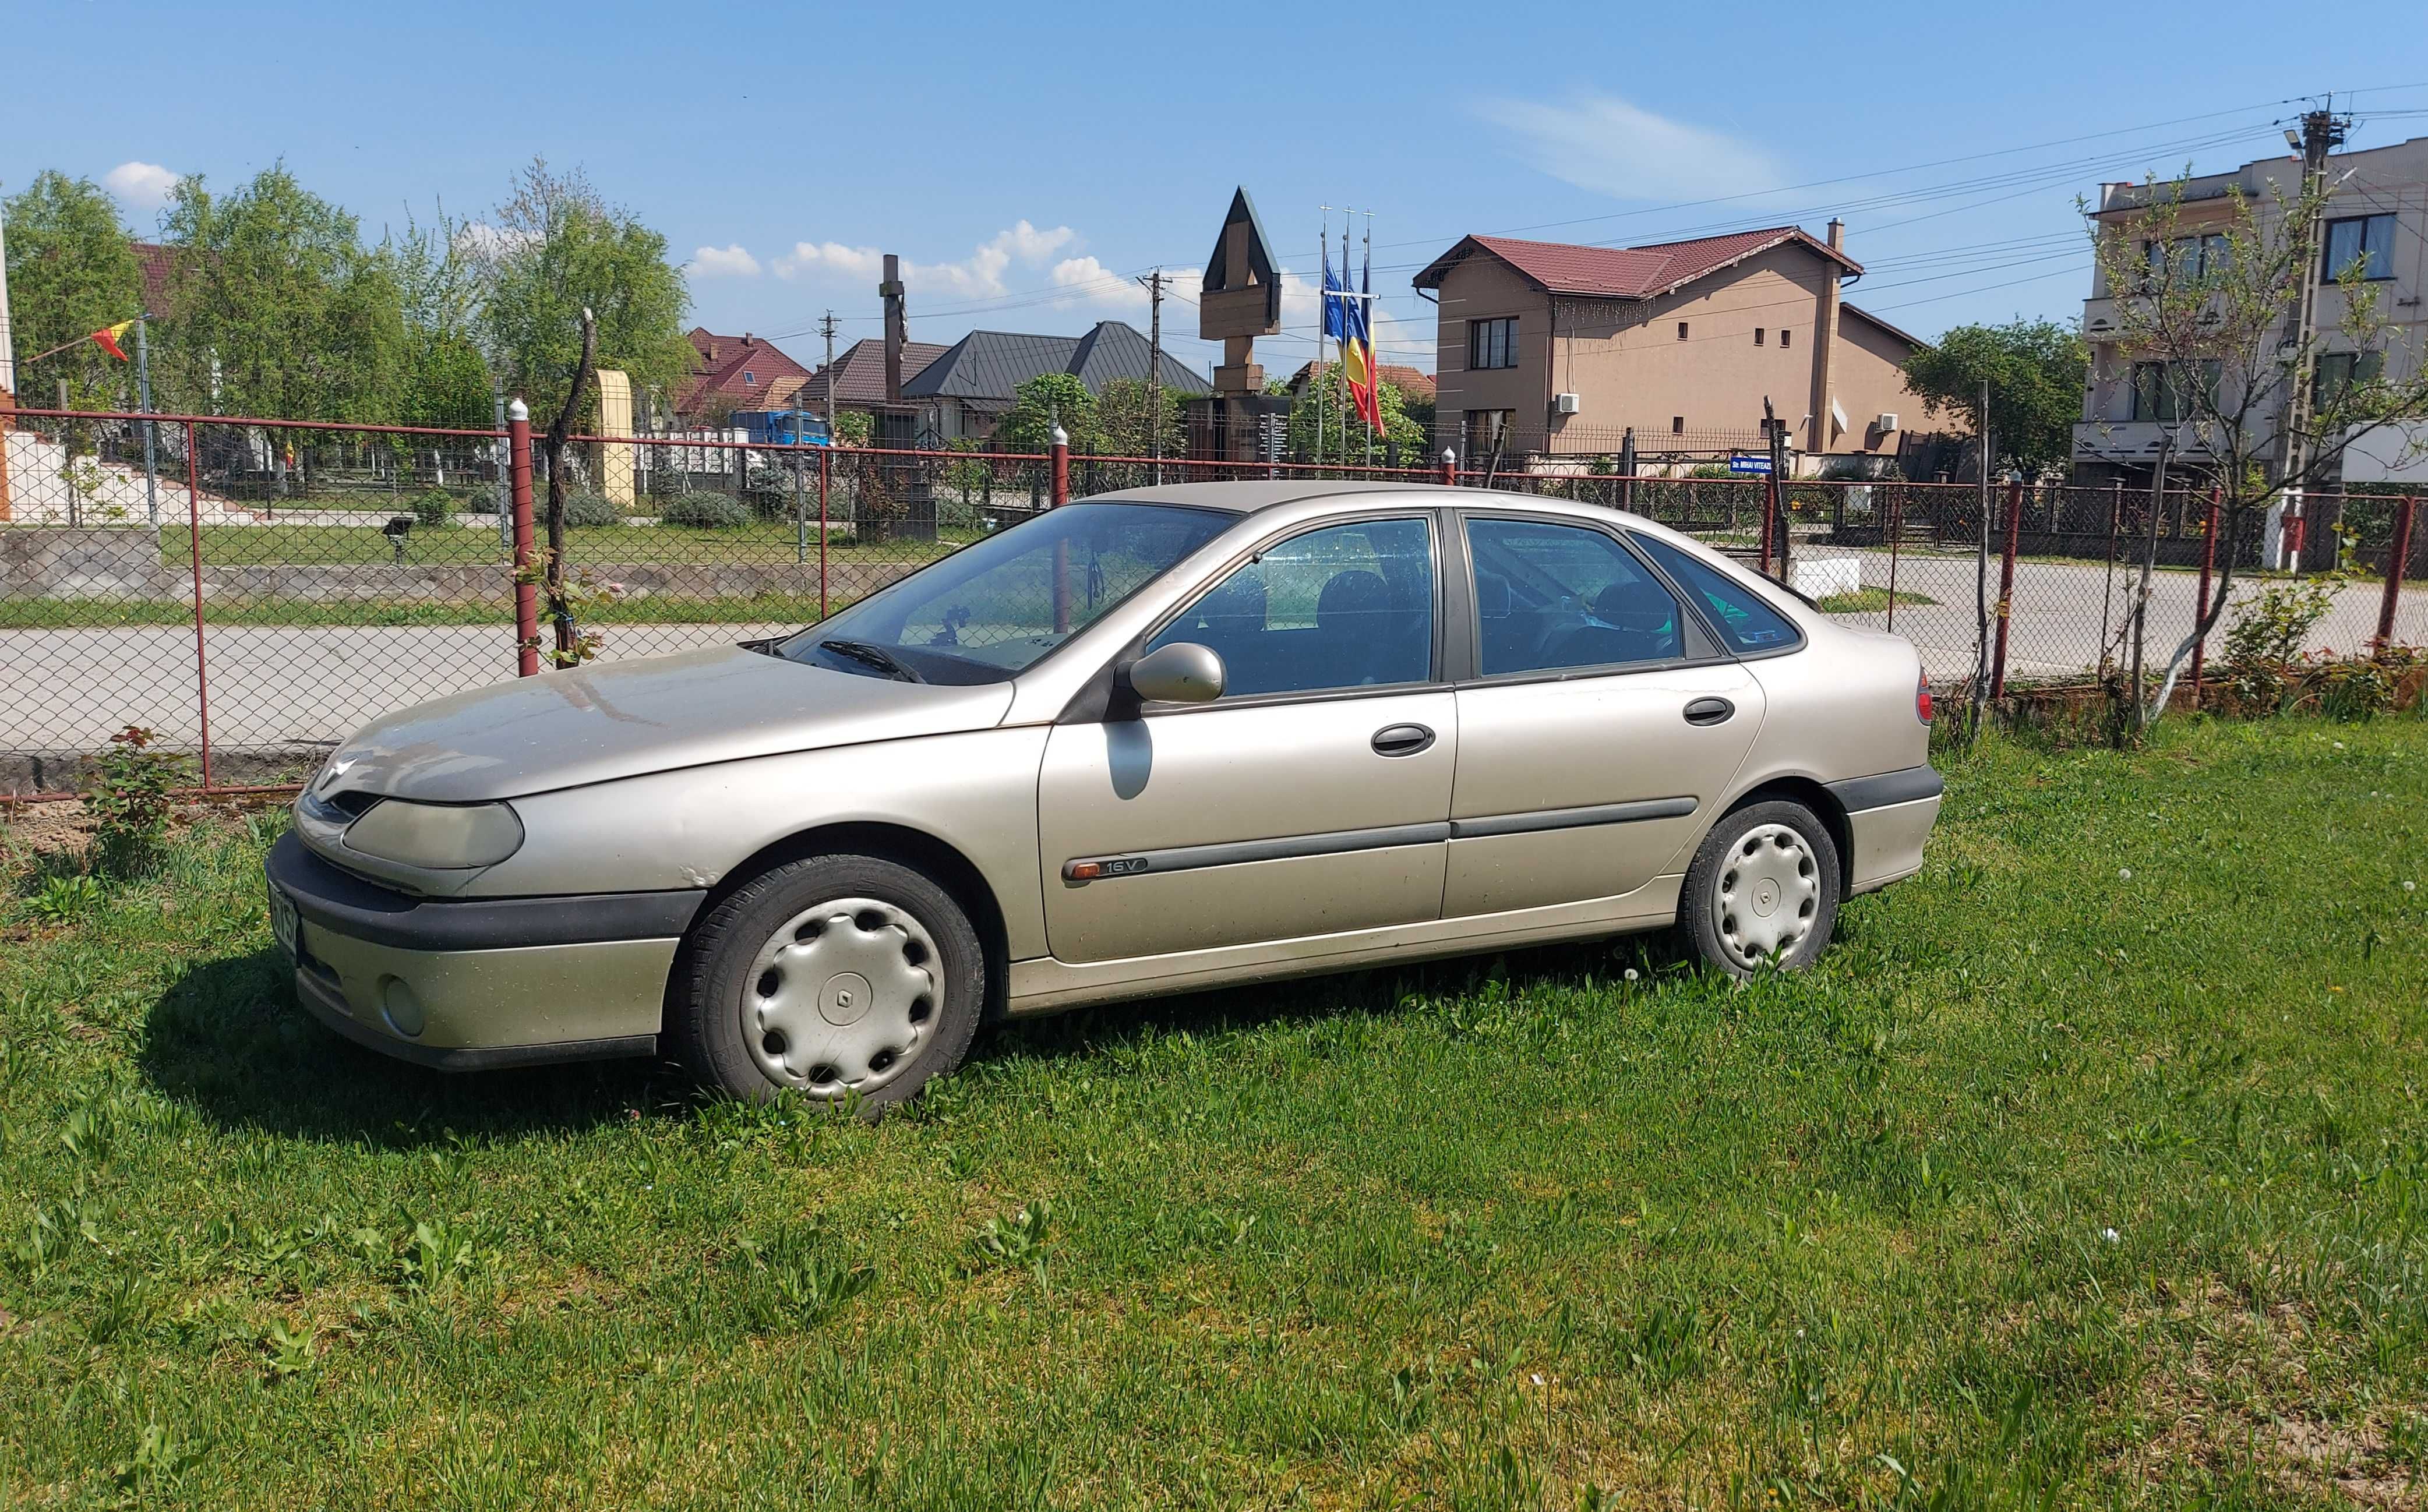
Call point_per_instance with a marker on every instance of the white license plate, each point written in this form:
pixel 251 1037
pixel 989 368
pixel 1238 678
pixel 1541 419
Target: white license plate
pixel 284 925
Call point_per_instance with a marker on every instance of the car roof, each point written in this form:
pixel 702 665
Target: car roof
pixel 1246 496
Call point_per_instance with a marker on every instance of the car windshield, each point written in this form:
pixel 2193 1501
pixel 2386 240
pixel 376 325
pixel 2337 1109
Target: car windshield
pixel 990 611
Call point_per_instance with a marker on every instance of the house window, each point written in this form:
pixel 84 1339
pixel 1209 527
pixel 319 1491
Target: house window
pixel 748 378
pixel 1682 330
pixel 1487 431
pixel 2338 371
pixel 1757 335
pixel 1677 424
pixel 1783 338
pixel 2187 259
pixel 1492 343
pixel 2363 242
pixel 2163 391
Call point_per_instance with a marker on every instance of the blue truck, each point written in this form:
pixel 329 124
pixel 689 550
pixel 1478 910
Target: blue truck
pixel 784 427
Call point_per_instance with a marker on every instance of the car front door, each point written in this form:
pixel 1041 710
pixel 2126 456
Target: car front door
pixel 1312 798
pixel 1601 721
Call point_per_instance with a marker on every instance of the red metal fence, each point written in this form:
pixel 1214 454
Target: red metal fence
pixel 272 585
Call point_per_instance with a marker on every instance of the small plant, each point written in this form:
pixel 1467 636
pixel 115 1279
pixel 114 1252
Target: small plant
pixel 2265 642
pixel 1019 1241
pixel 291 1350
pixel 703 512
pixel 128 798
pixel 589 511
pixel 66 900
pixel 570 600
pixel 433 507
pixel 795 1284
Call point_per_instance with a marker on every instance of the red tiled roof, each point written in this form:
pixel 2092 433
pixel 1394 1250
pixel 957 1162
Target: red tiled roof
pixel 1412 382
pixel 860 373
pixel 159 266
pixel 720 363
pixel 1626 273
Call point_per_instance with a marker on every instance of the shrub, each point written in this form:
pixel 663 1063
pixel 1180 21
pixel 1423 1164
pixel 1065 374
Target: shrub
pixel 434 506
pixel 769 492
pixel 591 511
pixel 128 798
pixel 703 512
pixel 2266 639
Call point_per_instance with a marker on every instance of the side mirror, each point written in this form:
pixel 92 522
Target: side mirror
pixel 1183 672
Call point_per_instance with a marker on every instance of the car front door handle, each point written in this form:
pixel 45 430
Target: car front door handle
pixel 1709 710
pixel 1403 740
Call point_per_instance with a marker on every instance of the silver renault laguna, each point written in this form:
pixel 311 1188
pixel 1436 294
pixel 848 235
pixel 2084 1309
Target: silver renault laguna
pixel 1150 742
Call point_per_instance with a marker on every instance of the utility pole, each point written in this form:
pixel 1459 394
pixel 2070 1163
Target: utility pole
pixel 2321 132
pixel 1154 283
pixel 826 327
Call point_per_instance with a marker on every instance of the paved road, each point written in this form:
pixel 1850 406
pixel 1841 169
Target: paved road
pixel 72 689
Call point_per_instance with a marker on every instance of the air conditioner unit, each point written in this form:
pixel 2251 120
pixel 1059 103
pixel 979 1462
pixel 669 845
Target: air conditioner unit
pixel 1884 422
pixel 1564 404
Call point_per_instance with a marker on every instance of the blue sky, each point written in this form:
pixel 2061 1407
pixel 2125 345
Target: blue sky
pixel 1026 162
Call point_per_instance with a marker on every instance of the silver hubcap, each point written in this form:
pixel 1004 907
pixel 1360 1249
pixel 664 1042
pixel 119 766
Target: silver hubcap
pixel 844 997
pixel 1767 894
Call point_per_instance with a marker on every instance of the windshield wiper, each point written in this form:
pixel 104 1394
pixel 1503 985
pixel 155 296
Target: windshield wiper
pixel 876 656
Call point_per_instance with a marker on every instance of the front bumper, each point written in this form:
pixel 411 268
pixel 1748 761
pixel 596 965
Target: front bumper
pixel 472 984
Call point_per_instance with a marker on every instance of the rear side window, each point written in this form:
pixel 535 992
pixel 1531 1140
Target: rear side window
pixel 1746 624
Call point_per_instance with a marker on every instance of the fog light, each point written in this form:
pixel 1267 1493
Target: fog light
pixel 403 1009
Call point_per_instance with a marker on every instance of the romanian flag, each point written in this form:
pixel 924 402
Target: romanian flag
pixel 1357 347
pixel 106 337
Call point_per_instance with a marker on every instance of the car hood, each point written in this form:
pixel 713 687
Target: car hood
pixel 604 721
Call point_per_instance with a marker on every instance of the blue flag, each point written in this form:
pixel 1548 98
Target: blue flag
pixel 1336 314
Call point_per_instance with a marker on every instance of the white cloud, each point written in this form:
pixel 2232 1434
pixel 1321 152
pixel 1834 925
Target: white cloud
pixel 1090 281
pixel 731 262
pixel 1601 142
pixel 141 186
pixel 979 275
pixel 478 239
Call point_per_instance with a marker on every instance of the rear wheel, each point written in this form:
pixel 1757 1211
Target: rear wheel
pixel 1763 890
pixel 831 976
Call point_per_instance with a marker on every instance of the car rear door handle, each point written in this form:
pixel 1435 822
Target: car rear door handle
pixel 1709 710
pixel 1403 740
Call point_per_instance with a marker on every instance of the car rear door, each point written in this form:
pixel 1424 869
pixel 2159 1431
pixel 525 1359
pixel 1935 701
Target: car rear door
pixel 1312 798
pixel 1599 723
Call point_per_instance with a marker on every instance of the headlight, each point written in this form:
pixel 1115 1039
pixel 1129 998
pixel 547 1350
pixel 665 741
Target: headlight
pixel 436 836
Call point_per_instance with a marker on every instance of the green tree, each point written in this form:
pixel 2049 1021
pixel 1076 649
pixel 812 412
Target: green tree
pixel 2035 370
pixel 554 249
pixel 1327 396
pixel 1041 403
pixel 446 378
pixel 71 270
pixel 277 308
pixel 1121 416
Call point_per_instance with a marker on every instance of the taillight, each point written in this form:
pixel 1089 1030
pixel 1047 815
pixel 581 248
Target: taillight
pixel 1922 698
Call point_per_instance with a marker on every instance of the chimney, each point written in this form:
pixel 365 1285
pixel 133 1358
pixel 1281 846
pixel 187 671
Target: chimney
pixel 1822 430
pixel 896 332
pixel 1837 235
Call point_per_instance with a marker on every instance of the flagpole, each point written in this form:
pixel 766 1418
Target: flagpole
pixel 1341 389
pixel 1374 363
pixel 1323 320
pixel 143 395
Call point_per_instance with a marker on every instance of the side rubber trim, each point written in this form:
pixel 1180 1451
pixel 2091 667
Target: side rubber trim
pixel 1521 824
pixel 1291 847
pixel 313 995
pixel 345 904
pixel 1856 793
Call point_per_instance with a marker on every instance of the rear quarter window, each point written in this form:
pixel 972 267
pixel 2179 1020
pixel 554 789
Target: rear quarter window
pixel 1747 623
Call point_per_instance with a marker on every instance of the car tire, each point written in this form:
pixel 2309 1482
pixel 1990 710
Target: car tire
pixel 1762 890
pixel 825 976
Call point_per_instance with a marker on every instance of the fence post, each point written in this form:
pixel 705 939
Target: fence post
pixel 2398 557
pixel 1896 507
pixel 1770 517
pixel 194 535
pixel 825 468
pixel 518 470
pixel 2200 614
pixel 1450 467
pixel 2006 583
pixel 1061 470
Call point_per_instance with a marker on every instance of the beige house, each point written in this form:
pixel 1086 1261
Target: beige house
pixel 1552 350
pixel 2377 216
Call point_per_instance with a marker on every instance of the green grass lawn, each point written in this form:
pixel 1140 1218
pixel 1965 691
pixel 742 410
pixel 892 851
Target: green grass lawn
pixel 1863 600
pixel 760 542
pixel 658 609
pixel 2090 1168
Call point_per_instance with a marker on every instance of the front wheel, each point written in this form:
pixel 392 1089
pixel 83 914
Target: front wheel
pixel 1762 889
pixel 831 976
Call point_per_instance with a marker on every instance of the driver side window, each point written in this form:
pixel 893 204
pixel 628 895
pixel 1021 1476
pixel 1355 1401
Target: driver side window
pixel 1345 606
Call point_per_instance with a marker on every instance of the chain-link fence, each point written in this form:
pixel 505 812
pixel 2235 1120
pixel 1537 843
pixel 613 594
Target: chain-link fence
pixel 254 591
